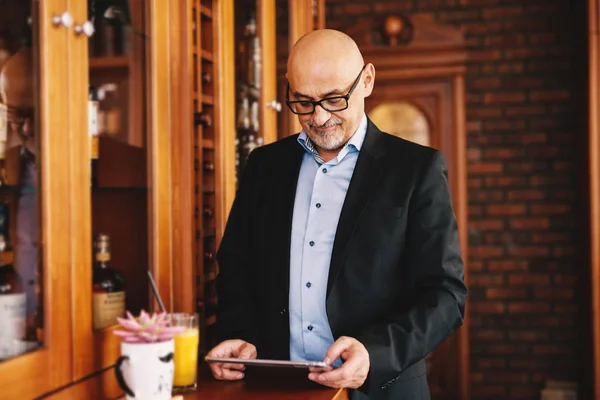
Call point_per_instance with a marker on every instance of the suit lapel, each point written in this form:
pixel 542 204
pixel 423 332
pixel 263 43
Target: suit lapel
pixel 285 195
pixel 367 174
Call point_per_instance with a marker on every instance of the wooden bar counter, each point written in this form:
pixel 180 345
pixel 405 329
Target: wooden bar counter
pixel 263 384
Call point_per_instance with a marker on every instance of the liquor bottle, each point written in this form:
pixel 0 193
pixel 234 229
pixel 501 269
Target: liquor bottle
pixel 253 58
pixel 208 212
pixel 108 289
pixel 93 104
pixel 13 305
pixel 202 118
pixel 208 166
pixel 206 78
pixel 208 255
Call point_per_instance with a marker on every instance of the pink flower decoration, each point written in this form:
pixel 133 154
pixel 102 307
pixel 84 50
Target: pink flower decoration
pixel 147 328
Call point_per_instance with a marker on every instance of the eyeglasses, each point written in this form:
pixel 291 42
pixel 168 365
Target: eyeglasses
pixel 331 104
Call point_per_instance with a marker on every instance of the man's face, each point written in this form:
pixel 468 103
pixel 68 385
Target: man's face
pixel 328 129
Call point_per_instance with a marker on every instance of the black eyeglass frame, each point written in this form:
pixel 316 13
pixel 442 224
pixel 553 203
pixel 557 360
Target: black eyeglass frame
pixel 319 102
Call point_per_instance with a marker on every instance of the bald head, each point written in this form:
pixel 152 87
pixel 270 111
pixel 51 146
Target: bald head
pixel 327 65
pixel 325 48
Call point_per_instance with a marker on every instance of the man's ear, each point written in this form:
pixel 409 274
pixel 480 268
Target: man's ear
pixel 369 80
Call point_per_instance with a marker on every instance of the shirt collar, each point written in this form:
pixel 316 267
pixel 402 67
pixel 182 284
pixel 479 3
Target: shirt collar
pixel 355 141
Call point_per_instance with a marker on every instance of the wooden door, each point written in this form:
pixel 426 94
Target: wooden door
pixel 419 95
pixel 422 113
pixel 35 196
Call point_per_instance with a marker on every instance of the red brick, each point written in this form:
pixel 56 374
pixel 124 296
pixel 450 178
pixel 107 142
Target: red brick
pixel 553 293
pixel 514 97
pixel 528 307
pixel 488 335
pixel 551 349
pixel 550 208
pixel 530 223
pixel 505 294
pixel 507 349
pixel 506 209
pixel 487 280
pixel 503 153
pixel 560 251
pixel 477 28
pixel 505 181
pixel 512 67
pixel 487 225
pixel 526 110
pixel 485 83
pixel 485 251
pixel 549 237
pixel 502 12
pixel 487 196
pixel 474 183
pixel 564 279
pixel 507 265
pixel 485 168
pixel 488 363
pixel 528 279
pixel 530 194
pixel 504 40
pixel 511 377
pixel 549 95
pixel 528 335
pixel 485 55
pixel 488 307
pixel 484 112
pixel 542 38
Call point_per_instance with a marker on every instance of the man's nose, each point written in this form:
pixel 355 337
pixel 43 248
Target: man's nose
pixel 320 116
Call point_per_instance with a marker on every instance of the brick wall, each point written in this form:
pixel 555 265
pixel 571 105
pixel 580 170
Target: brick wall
pixel 526 177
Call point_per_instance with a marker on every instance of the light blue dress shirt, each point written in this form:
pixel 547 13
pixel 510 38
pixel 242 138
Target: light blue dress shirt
pixel 320 194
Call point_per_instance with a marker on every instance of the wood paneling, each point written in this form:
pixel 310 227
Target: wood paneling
pixel 30 375
pixel 594 183
pixel 160 150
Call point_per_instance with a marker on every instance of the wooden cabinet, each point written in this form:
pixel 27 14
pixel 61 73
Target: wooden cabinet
pixel 158 178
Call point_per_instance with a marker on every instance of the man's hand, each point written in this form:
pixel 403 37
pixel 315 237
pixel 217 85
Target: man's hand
pixel 353 372
pixel 231 349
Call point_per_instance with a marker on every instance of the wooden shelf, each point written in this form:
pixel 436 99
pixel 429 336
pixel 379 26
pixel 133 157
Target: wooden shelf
pixel 206 55
pixel 210 276
pixel 109 62
pixel 208 143
pixel 208 100
pixel 206 12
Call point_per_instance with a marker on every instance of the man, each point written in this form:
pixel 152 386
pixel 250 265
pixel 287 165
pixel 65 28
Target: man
pixel 342 244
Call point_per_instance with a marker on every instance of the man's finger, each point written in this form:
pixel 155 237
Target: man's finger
pixel 248 352
pixel 231 375
pixel 238 367
pixel 336 349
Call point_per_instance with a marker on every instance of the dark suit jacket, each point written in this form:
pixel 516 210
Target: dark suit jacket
pixel 396 273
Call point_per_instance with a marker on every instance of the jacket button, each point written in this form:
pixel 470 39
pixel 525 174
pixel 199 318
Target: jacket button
pixel 283 311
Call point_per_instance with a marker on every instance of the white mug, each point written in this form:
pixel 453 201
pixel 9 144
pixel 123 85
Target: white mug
pixel 145 370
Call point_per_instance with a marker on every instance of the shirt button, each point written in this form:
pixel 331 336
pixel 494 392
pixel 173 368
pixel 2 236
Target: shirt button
pixel 310 327
pixel 318 205
pixel 324 170
pixel 308 284
pixel 311 243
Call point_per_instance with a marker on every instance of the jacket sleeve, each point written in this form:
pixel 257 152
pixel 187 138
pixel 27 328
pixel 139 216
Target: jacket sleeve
pixel 236 305
pixel 435 267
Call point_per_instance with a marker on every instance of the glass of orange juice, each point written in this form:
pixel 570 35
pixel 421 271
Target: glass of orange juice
pixel 186 352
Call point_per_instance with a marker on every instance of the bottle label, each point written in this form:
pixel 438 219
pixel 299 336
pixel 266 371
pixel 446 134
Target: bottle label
pixel 107 307
pixel 13 314
pixel 102 257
